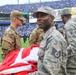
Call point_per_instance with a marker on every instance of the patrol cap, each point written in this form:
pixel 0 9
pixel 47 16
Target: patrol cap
pixel 45 9
pixel 65 11
pixel 17 14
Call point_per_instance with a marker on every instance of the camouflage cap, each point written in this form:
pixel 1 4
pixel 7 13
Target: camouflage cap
pixel 65 11
pixel 45 9
pixel 17 14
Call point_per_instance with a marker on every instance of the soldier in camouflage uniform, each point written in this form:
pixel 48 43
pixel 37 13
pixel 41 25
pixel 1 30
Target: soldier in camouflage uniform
pixel 11 38
pixel 70 36
pixel 36 36
pixel 52 52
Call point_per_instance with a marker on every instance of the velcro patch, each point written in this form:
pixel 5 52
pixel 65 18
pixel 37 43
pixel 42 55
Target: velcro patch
pixel 7 39
pixel 56 53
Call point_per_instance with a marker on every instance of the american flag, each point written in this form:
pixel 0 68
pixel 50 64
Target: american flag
pixel 20 62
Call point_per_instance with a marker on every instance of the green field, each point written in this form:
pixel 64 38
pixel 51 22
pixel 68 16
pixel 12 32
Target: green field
pixel 24 45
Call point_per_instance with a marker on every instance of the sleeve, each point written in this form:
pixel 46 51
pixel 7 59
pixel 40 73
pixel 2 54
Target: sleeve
pixel 53 58
pixel 71 40
pixel 33 38
pixel 7 43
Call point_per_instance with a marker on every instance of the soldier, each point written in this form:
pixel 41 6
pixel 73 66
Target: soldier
pixel 24 37
pixel 36 36
pixel 70 36
pixel 52 51
pixel 11 38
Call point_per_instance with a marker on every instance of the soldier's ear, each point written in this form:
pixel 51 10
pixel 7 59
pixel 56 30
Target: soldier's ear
pixel 52 18
pixel 15 19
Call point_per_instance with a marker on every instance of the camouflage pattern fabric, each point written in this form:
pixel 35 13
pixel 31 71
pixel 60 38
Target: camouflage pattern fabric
pixel 70 36
pixel 36 36
pixel 52 54
pixel 10 41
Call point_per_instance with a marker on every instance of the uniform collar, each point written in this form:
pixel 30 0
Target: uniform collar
pixel 46 34
pixel 14 30
pixel 68 20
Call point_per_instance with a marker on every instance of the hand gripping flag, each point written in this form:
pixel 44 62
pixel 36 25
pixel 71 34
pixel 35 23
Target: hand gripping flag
pixel 20 62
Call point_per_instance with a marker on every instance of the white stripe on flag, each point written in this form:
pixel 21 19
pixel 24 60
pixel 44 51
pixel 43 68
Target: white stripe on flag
pixel 31 57
pixel 16 69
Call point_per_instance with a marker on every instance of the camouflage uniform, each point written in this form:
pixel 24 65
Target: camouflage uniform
pixel 36 36
pixel 52 54
pixel 70 36
pixel 74 19
pixel 10 41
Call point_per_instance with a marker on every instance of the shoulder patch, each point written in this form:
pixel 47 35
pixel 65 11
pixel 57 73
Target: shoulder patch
pixel 7 39
pixel 56 53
